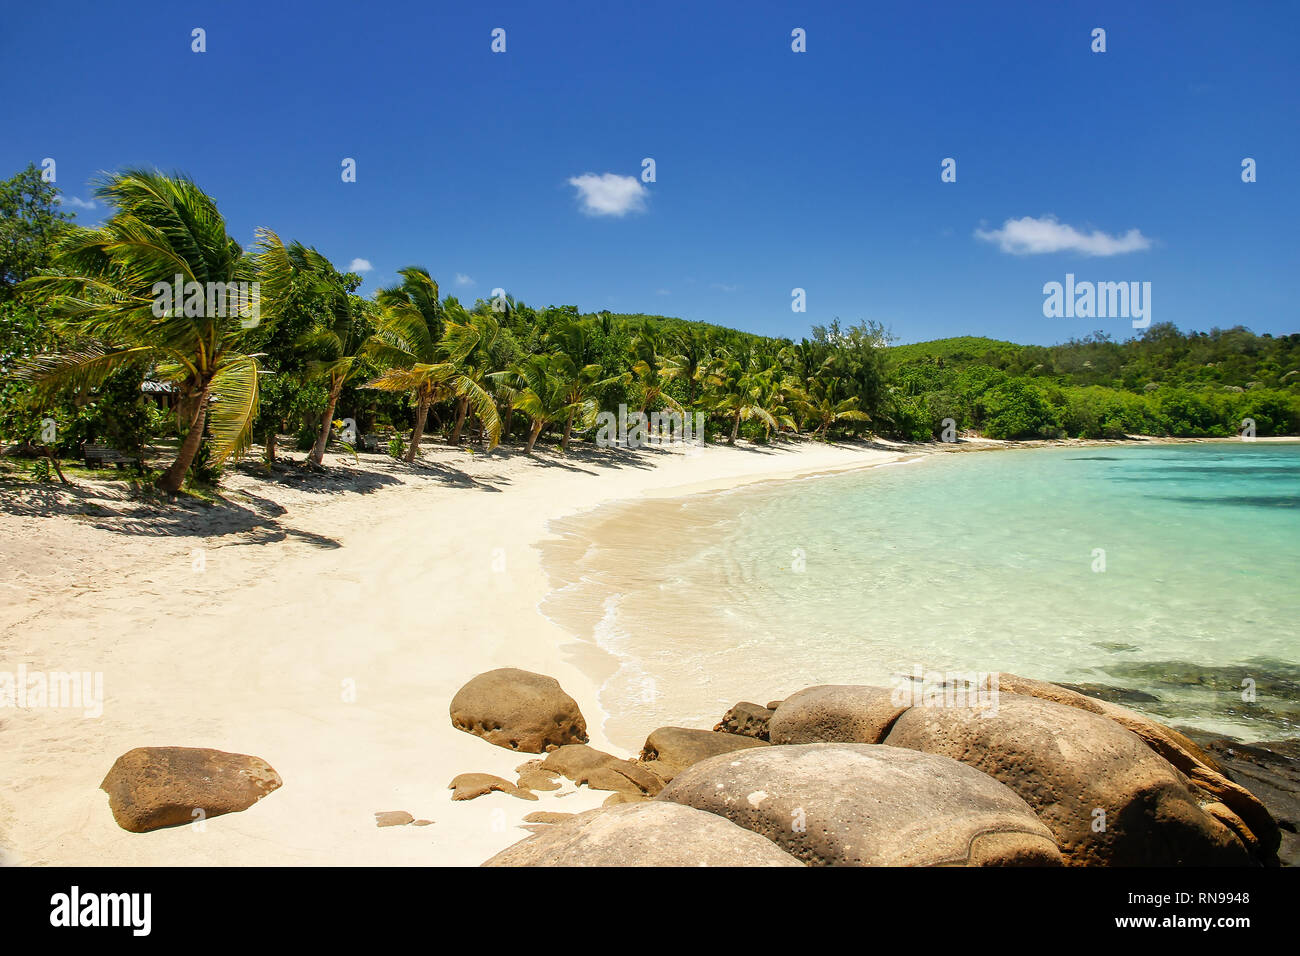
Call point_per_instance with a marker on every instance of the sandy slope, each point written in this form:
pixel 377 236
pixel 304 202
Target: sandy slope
pixel 404 592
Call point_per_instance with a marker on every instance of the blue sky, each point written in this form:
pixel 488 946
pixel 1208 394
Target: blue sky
pixel 774 169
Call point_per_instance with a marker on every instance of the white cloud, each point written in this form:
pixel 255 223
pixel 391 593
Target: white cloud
pixel 79 203
pixel 463 280
pixel 662 292
pixel 1031 237
pixel 360 265
pixel 723 287
pixel 609 194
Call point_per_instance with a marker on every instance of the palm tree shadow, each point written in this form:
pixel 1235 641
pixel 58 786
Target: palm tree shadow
pixel 126 510
pixel 455 478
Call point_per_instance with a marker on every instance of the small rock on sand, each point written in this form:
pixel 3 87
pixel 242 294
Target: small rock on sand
pixel 467 786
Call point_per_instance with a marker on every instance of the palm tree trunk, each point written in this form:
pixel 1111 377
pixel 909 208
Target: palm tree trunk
pixel 272 437
pixel 735 429
pixel 462 406
pixel 417 433
pixel 532 435
pixel 568 429
pixel 505 430
pixel 318 449
pixel 171 480
pixel 54 463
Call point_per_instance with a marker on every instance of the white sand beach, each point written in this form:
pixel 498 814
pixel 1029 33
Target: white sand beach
pixel 246 629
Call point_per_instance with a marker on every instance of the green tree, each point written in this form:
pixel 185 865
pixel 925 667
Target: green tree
pixel 552 388
pixel 428 370
pixel 31 223
pixel 106 293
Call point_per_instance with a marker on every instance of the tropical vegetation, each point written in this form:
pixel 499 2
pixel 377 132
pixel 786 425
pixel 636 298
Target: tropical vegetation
pixel 87 355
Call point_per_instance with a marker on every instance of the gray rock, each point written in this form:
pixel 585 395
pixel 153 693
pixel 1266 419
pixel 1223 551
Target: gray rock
pixel 644 834
pixel 670 750
pixel 1107 797
pixel 835 713
pixel 868 805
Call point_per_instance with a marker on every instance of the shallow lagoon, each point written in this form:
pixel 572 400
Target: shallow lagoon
pixel 1165 573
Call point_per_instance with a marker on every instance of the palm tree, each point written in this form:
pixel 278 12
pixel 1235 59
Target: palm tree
pixel 689 360
pixel 648 372
pixel 551 388
pixel 109 293
pixel 734 392
pixel 770 388
pixel 418 290
pixel 475 364
pixel 339 331
pixel 578 386
pixel 429 370
pixel 537 394
pixel 821 405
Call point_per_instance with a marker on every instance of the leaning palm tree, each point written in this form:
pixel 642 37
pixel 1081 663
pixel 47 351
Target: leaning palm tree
pixel 536 393
pixel 338 332
pixel 579 387
pixel 648 372
pixel 734 392
pixel 475 363
pixel 689 359
pixel 821 406
pixel 427 369
pixel 109 292
pixel 551 389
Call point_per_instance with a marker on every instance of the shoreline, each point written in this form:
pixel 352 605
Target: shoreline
pixel 618 643
pixel 247 653
pixel 368 576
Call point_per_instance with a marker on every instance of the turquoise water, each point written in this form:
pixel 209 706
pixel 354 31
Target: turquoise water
pixel 1165 573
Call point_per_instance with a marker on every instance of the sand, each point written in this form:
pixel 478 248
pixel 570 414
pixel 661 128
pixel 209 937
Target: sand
pixel 323 625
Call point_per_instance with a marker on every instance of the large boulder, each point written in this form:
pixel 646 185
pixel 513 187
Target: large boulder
pixel 746 719
pixel 518 710
pixel 835 713
pixel 153 787
pixel 1107 797
pixel 1272 771
pixel 868 805
pixel 644 834
pixel 1234 805
pixel 670 750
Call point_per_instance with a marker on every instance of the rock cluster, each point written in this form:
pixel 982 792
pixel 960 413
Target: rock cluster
pixel 1028 774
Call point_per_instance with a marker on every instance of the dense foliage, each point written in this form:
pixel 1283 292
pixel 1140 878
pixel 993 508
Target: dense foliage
pixel 1163 382
pixel 80 335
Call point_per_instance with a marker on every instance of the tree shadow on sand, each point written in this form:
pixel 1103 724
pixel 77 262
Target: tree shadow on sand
pixel 127 510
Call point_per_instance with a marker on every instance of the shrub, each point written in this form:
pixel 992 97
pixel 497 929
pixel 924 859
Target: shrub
pixel 1016 410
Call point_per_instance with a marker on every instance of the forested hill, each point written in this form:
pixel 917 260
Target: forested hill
pixel 1162 382
pixel 1231 357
